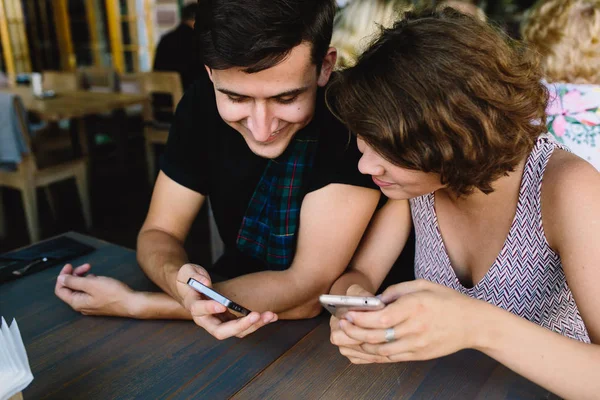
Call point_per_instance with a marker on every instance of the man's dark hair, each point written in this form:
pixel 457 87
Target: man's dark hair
pixel 259 34
pixel 188 12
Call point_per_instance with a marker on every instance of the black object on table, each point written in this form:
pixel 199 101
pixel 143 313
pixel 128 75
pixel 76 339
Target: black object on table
pixel 40 256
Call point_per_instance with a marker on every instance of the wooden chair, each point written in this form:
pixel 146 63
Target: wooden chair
pixel 57 136
pixel 131 83
pixel 61 81
pixel 98 79
pixel 156 131
pixel 28 176
pixel 102 80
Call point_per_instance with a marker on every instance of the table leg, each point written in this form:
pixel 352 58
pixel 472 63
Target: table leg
pixel 79 146
pixel 2 216
pixel 89 124
pixel 79 136
pixel 119 118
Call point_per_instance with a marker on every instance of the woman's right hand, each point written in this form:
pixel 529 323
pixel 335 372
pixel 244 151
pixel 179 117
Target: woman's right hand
pixel 348 346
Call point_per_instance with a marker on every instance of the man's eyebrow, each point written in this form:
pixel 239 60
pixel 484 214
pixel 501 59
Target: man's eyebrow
pixel 287 93
pixel 290 93
pixel 230 93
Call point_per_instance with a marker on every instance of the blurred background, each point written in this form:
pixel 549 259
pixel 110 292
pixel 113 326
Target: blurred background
pixel 39 35
pixel 42 35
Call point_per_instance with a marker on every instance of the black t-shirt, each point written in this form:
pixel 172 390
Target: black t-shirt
pixel 206 155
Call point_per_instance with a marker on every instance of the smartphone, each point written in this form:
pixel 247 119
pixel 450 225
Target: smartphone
pixel 339 305
pixel 218 297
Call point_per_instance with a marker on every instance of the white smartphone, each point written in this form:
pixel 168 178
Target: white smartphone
pixel 339 305
pixel 218 297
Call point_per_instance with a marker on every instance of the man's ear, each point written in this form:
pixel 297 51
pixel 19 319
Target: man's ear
pixel 327 66
pixel 209 72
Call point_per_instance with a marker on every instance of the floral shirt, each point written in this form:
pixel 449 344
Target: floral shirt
pixel 574 118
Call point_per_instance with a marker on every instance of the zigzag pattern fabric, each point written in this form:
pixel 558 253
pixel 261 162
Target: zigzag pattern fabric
pixel 526 278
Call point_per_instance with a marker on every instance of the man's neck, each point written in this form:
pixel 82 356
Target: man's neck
pixel 188 22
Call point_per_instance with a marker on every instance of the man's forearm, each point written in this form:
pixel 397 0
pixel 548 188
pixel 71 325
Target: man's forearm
pixel 152 305
pixel 161 256
pixel 276 291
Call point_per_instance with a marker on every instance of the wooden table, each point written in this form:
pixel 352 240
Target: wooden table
pixel 83 107
pixel 75 357
pixel 68 105
pixel 314 369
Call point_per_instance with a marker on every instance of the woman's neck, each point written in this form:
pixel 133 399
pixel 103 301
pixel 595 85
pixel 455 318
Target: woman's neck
pixel 505 188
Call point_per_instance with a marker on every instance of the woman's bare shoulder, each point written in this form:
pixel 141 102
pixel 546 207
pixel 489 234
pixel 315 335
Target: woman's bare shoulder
pixel 570 192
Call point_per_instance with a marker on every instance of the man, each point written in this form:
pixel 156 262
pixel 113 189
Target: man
pixel 280 171
pixel 176 50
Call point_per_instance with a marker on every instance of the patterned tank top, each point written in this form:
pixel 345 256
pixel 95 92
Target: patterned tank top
pixel 526 278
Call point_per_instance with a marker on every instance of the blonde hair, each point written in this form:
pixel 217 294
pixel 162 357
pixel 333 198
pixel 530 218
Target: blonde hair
pixel 566 33
pixel 360 22
pixel 464 7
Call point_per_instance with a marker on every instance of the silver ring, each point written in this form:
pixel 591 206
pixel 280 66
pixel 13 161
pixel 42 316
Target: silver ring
pixel 390 335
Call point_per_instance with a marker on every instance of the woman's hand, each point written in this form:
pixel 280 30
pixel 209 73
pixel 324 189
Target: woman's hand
pixel 348 346
pixel 422 320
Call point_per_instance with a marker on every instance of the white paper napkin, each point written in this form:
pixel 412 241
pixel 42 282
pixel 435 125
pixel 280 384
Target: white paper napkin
pixel 15 372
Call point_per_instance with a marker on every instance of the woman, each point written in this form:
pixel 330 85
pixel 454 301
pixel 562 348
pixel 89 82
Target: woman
pixel 566 34
pixel 450 121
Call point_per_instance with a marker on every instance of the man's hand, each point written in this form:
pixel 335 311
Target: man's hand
pixel 211 315
pixel 94 295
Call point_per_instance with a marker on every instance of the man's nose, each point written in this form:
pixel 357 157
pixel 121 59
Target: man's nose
pixel 261 123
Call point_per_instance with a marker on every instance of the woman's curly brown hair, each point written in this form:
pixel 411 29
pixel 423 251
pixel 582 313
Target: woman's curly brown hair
pixel 443 92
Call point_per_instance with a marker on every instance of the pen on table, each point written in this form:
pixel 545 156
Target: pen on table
pixel 23 271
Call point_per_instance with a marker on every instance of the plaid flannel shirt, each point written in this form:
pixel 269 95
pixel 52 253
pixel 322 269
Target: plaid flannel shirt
pixel 270 224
